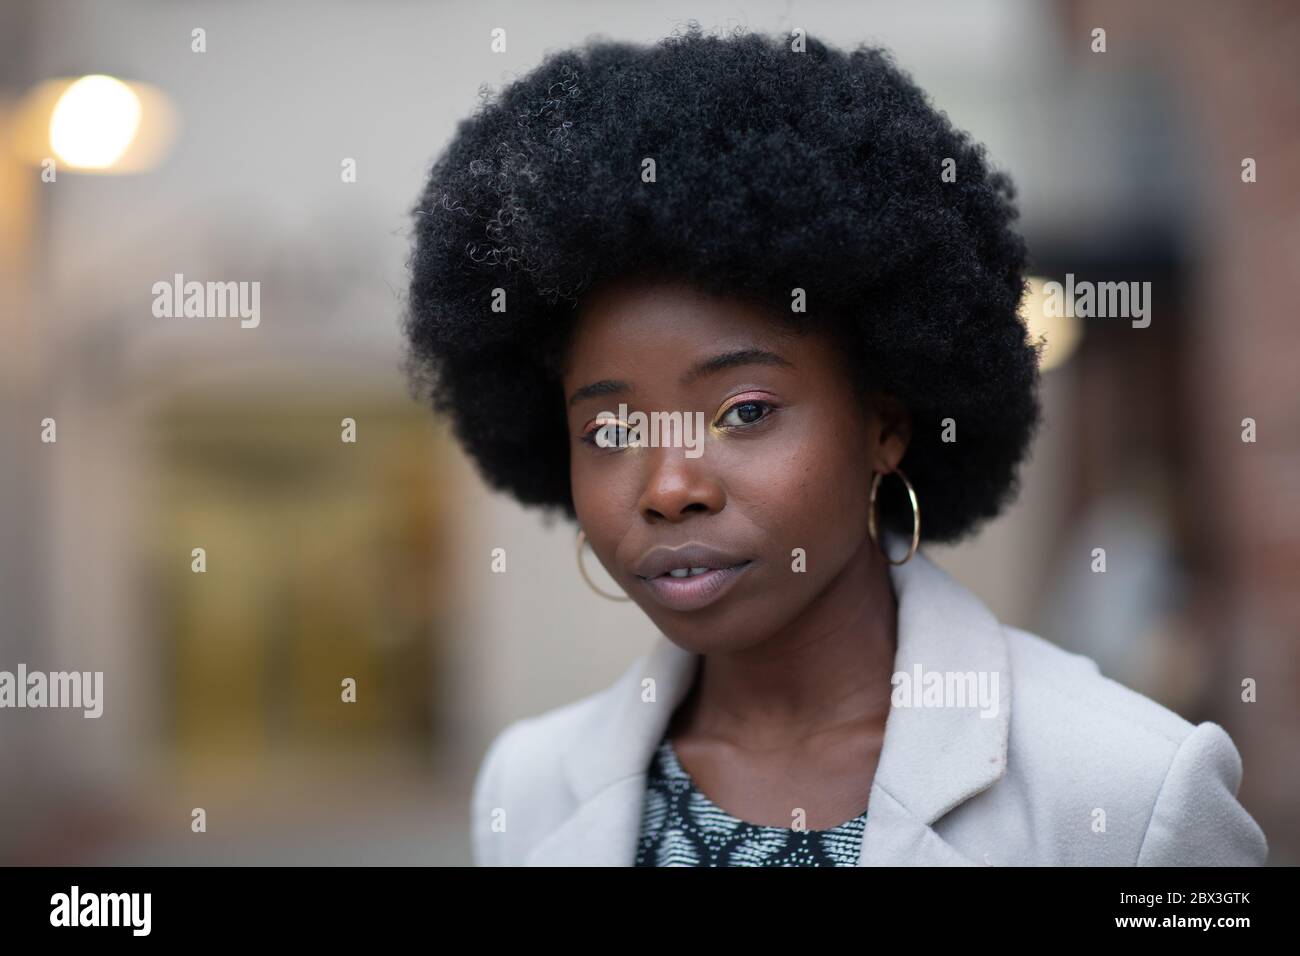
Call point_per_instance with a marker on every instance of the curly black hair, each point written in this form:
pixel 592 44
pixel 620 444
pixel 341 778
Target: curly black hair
pixel 775 169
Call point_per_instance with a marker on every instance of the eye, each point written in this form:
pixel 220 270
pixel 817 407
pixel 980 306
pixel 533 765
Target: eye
pixel 608 434
pixel 745 413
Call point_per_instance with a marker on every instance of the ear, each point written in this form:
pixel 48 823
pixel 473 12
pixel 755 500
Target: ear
pixel 894 433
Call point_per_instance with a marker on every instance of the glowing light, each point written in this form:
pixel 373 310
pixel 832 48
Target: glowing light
pixel 1060 334
pixel 94 122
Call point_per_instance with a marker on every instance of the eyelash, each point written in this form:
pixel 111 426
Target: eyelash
pixel 590 435
pixel 742 403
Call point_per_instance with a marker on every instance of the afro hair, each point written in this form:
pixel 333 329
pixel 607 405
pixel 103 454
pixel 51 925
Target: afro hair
pixel 776 169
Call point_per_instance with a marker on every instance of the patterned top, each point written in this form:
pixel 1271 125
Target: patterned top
pixel 680 826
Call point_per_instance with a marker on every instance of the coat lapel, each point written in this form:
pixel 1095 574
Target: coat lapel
pixel 932 759
pixel 935 758
pixel 607 762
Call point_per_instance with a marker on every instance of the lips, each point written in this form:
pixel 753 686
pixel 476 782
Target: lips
pixel 690 577
pixel 661 560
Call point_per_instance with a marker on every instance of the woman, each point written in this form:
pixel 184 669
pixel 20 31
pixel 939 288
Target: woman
pixel 788 247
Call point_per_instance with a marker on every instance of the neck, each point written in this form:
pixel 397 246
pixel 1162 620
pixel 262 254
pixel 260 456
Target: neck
pixel 831 666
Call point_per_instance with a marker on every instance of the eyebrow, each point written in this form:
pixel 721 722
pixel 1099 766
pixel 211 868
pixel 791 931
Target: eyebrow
pixel 716 363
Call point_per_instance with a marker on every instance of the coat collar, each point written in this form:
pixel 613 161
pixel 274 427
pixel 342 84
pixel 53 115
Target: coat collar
pixel 932 759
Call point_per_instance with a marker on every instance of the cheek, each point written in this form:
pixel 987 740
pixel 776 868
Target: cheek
pixel 592 500
pixel 811 490
pixel 604 497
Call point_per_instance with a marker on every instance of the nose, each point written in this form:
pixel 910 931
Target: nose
pixel 678 486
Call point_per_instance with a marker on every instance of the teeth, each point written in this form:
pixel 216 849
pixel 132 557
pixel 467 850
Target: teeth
pixel 687 572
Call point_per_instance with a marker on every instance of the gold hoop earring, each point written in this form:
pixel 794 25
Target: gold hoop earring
pixel 916 515
pixel 582 539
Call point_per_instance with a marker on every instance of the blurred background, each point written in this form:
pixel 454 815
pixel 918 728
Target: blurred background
pixel 372 559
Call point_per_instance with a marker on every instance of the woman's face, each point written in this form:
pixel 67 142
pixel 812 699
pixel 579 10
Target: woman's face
pixel 772 495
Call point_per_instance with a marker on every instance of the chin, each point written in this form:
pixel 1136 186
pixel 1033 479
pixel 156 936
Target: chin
pixel 710 630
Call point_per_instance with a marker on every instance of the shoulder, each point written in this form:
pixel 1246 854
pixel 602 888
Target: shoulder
pixel 1048 680
pixel 1102 759
pixel 524 762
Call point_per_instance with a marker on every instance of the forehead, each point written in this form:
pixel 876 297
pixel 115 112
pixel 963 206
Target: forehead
pixel 644 323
